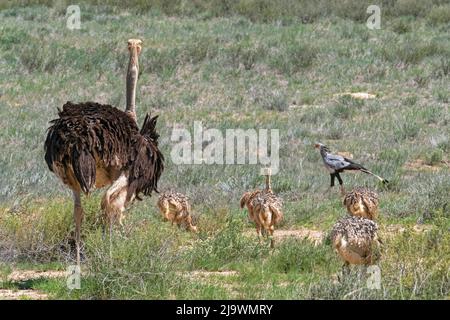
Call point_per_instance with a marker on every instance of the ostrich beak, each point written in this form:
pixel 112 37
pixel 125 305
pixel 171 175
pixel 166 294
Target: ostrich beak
pixel 317 145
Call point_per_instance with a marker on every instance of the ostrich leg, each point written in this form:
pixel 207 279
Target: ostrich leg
pixel 258 231
pixel 78 217
pixel 272 240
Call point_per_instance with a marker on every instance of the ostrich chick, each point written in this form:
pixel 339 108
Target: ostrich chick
pixel 175 207
pixel 248 197
pixel 267 212
pixel 362 202
pixel 354 239
pixel 264 208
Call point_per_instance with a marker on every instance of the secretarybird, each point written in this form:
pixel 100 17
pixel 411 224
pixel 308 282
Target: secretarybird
pixel 336 164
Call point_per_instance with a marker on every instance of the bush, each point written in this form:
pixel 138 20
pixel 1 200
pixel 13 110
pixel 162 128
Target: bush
pixel 245 54
pixel 439 15
pixel 400 26
pixel 226 247
pixel 140 266
pixel 409 128
pixel 293 58
pixel 416 8
pixel 270 99
pixel 162 62
pixel 346 107
pixel 301 256
pixel 434 157
pixel 411 51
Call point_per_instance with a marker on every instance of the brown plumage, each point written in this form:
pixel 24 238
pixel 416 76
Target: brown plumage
pixel 354 239
pixel 264 208
pixel 246 200
pixel 175 207
pixel 362 202
pixel 92 145
pixel 267 212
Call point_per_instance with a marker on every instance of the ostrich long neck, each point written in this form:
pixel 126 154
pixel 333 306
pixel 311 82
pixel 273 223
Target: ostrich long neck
pixel 132 76
pixel 268 184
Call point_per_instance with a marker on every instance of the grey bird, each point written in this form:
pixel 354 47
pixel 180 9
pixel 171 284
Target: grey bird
pixel 336 164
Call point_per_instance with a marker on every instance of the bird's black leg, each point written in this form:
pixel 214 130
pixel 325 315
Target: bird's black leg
pixel 332 176
pixel 341 183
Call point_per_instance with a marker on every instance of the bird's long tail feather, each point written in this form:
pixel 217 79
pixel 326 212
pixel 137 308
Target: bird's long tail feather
pixel 384 181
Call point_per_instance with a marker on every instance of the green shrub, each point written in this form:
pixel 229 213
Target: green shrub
pixel 301 256
pixel 434 157
pixel 246 54
pixel 225 248
pixel 416 8
pixel 400 26
pixel 439 15
pixel 411 51
pixel 140 266
pixel 409 128
pixel 270 99
pixel 293 58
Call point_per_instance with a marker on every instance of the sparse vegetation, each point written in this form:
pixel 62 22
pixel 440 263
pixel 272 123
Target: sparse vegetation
pixel 233 64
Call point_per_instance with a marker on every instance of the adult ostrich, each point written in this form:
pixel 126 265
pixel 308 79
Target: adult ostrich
pixel 92 145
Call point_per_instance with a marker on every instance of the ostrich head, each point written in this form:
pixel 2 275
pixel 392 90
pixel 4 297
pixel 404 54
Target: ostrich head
pixel 134 47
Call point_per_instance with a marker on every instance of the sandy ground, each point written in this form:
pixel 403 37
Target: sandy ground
pixel 18 276
pixel 315 236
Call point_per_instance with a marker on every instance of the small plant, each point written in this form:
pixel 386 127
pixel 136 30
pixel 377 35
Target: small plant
pixel 400 26
pixel 434 157
pixel 294 57
pixel 346 107
pixel 270 99
pixel 409 129
pixel 439 15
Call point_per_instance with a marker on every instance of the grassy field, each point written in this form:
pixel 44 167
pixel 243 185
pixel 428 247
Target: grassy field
pixel 248 64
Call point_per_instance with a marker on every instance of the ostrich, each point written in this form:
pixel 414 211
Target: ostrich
pixel 336 164
pixel 92 146
pixel 247 198
pixel 264 208
pixel 362 202
pixel 354 239
pixel 175 207
pixel 267 212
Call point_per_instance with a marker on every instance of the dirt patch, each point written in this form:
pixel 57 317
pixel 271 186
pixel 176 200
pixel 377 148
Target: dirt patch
pixel 7 294
pixel 18 276
pixel 208 277
pixel 396 229
pixel 421 165
pixel 345 154
pixel 357 95
pixel 303 233
pixel 25 275
pixel 202 274
pixel 315 236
